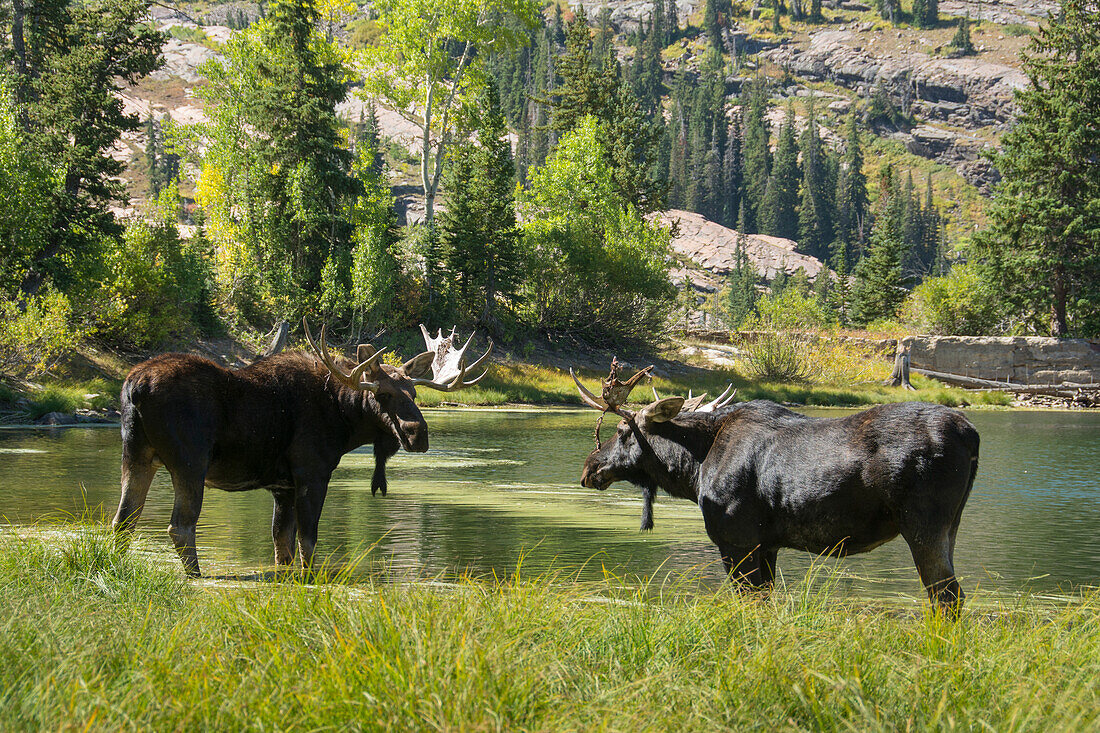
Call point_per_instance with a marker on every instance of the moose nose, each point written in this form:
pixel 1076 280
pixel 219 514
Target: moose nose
pixel 588 478
pixel 417 437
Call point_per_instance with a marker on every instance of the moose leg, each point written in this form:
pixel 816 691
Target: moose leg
pixel 649 493
pixel 308 504
pixel 185 515
pixel 935 563
pixel 137 475
pixel 767 566
pixel 284 527
pixel 384 449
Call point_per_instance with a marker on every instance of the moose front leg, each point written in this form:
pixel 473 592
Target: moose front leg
pixel 649 493
pixel 308 503
pixel 384 449
pixel 284 527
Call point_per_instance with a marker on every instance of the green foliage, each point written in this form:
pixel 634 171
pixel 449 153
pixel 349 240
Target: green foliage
pixel 961 40
pixel 35 333
pixel 276 181
pixel 479 230
pixel 879 287
pixel 757 153
pixel 158 284
pixel 963 303
pixel 28 187
pixel 778 356
pixel 791 310
pixel 778 215
pixel 926 13
pixel 1043 245
pixel 429 66
pixel 76 58
pixel 598 268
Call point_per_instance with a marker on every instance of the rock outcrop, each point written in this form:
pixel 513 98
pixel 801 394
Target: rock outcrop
pixel 713 248
pixel 981 91
pixel 1016 359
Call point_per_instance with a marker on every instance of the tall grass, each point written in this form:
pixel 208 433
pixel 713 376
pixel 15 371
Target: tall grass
pixel 544 653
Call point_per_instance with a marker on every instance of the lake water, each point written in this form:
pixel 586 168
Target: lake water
pixel 498 486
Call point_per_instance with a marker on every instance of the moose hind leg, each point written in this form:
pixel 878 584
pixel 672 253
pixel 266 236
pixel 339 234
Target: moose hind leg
pixel 308 510
pixel 137 475
pixel 185 517
pixel 935 563
pixel 284 528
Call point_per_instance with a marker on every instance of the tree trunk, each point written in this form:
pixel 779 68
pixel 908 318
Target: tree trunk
pixel 900 376
pixel 1058 325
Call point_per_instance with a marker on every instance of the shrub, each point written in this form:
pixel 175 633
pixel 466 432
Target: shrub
pixel 35 335
pixel 776 356
pixel 158 283
pixel 961 304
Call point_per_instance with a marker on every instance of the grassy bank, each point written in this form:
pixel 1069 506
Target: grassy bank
pixel 98 639
pixel 535 384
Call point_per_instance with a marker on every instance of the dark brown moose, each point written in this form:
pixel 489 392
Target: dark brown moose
pixel 281 424
pixel 766 478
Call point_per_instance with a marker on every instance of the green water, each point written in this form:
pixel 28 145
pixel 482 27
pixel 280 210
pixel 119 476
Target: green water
pixel 500 486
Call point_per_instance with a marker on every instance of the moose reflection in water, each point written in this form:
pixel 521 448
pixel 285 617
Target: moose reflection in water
pixel 281 424
pixel 767 478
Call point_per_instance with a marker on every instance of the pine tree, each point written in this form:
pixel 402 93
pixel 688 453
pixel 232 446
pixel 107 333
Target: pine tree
pixel 778 215
pixel 757 153
pixel 732 175
pixel 878 289
pixel 1042 247
pixel 741 281
pixel 852 190
pixel 479 228
pixel 961 40
pixel 815 12
pixel 926 13
pixel 815 222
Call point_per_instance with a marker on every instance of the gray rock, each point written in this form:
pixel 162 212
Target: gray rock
pixel 57 418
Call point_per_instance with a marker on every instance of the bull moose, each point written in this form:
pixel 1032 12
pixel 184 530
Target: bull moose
pixel 281 424
pixel 767 478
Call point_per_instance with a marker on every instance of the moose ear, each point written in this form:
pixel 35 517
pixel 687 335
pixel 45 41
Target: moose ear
pixel 663 410
pixel 364 352
pixel 420 366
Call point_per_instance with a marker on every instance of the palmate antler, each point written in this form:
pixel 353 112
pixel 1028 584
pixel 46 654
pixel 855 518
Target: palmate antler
pixel 696 404
pixel 449 365
pixel 615 393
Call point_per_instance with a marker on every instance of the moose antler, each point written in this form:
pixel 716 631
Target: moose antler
pixel 695 403
pixel 355 379
pixel 614 394
pixel 449 366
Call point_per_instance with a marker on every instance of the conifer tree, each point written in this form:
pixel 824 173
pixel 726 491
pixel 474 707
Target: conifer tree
pixel 732 174
pixel 878 289
pixel 961 40
pixel 852 190
pixel 741 281
pixel 778 216
pixel 815 221
pixel 1043 244
pixel 756 153
pixel 479 229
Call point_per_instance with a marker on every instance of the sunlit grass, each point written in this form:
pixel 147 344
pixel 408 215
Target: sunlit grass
pixel 95 637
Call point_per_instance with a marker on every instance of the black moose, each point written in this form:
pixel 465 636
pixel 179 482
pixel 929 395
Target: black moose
pixel 281 424
pixel 767 478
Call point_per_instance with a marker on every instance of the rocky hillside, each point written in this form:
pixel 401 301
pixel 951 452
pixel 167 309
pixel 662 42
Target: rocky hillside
pixel 958 107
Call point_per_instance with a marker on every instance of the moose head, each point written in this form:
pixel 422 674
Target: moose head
pixel 641 450
pixel 393 388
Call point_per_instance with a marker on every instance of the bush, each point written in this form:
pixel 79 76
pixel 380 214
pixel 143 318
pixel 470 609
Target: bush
pixel 36 335
pixel 776 356
pixel 963 303
pixel 158 284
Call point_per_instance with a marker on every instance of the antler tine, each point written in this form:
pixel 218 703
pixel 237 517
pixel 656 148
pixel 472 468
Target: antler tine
pixel 655 395
pixel 451 359
pixel 353 380
pixel 721 401
pixel 638 377
pixel 589 399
